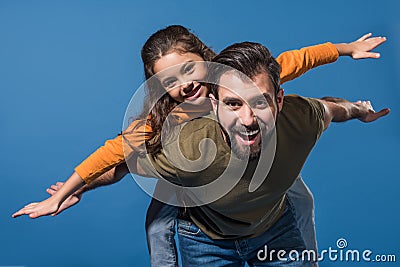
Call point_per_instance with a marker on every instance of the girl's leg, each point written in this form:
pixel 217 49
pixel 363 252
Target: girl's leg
pixel 160 233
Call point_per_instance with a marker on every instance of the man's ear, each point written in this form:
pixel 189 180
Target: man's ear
pixel 279 98
pixel 214 102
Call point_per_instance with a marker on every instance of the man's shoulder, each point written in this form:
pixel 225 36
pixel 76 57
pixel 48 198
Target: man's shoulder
pixel 195 143
pixel 188 136
pixel 300 105
pixel 302 115
pixel 204 126
pixel 293 99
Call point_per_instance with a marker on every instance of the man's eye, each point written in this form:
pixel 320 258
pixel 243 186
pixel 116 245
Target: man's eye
pixel 261 103
pixel 233 105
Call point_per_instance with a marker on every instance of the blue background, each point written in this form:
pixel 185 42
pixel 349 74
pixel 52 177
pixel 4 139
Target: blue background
pixel 69 68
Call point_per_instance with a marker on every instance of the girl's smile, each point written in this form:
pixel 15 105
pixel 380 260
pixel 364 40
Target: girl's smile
pixel 181 75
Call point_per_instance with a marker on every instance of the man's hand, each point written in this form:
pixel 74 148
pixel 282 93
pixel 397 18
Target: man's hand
pixel 69 202
pixel 340 110
pixel 362 47
pixel 367 112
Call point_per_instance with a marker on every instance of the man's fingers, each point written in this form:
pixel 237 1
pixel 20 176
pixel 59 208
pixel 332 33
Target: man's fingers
pixel 50 191
pixel 58 211
pixel 59 184
pixel 365 36
pixel 55 187
pixel 383 112
pixel 373 116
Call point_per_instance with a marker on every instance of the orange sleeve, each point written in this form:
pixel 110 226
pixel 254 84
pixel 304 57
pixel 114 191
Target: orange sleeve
pixel 295 63
pixel 133 139
pixel 113 151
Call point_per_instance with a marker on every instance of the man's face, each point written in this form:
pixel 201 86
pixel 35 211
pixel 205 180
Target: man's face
pixel 247 111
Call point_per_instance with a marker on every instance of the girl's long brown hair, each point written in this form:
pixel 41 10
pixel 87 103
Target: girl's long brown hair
pixel 173 38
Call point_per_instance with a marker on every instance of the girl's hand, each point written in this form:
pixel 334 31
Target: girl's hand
pixel 69 202
pixel 51 205
pixel 35 210
pixel 362 47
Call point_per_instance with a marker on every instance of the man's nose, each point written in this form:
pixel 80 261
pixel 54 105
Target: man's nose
pixel 246 116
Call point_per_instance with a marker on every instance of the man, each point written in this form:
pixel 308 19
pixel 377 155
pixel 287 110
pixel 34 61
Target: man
pixel 231 229
pixel 252 211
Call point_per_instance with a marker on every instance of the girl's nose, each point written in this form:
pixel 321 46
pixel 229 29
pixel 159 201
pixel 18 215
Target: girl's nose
pixel 187 87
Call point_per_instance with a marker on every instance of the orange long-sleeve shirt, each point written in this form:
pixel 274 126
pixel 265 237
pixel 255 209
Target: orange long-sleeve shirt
pixel 293 64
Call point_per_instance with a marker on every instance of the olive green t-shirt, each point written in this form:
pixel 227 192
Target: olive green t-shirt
pixel 238 212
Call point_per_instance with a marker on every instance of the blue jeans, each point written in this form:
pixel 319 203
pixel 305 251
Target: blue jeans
pixel 160 233
pixel 302 202
pixel 197 249
pixel 160 225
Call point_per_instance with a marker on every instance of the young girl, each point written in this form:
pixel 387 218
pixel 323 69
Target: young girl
pixel 176 44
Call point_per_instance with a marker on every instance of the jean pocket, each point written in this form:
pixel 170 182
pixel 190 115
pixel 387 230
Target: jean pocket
pixel 188 228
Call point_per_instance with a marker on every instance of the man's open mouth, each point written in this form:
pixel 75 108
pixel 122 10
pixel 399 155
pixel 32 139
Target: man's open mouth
pixel 248 137
pixel 249 134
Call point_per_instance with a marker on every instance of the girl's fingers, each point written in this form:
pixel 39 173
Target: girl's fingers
pixel 31 204
pixel 21 212
pixel 365 36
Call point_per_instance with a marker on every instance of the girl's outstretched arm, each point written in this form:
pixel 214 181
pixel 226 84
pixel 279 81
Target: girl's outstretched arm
pixel 53 203
pixel 295 63
pixel 361 48
pixel 112 176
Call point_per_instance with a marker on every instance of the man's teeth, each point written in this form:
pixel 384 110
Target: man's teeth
pixel 250 133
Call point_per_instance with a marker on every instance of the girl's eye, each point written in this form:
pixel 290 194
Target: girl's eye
pixel 169 83
pixel 188 68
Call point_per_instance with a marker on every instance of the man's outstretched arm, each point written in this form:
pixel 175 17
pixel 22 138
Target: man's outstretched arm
pixel 340 110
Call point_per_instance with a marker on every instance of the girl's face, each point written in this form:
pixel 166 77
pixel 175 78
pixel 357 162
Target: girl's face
pixel 182 76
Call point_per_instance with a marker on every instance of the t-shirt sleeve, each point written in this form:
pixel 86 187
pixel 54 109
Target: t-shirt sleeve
pixel 303 117
pixel 295 63
pixel 317 112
